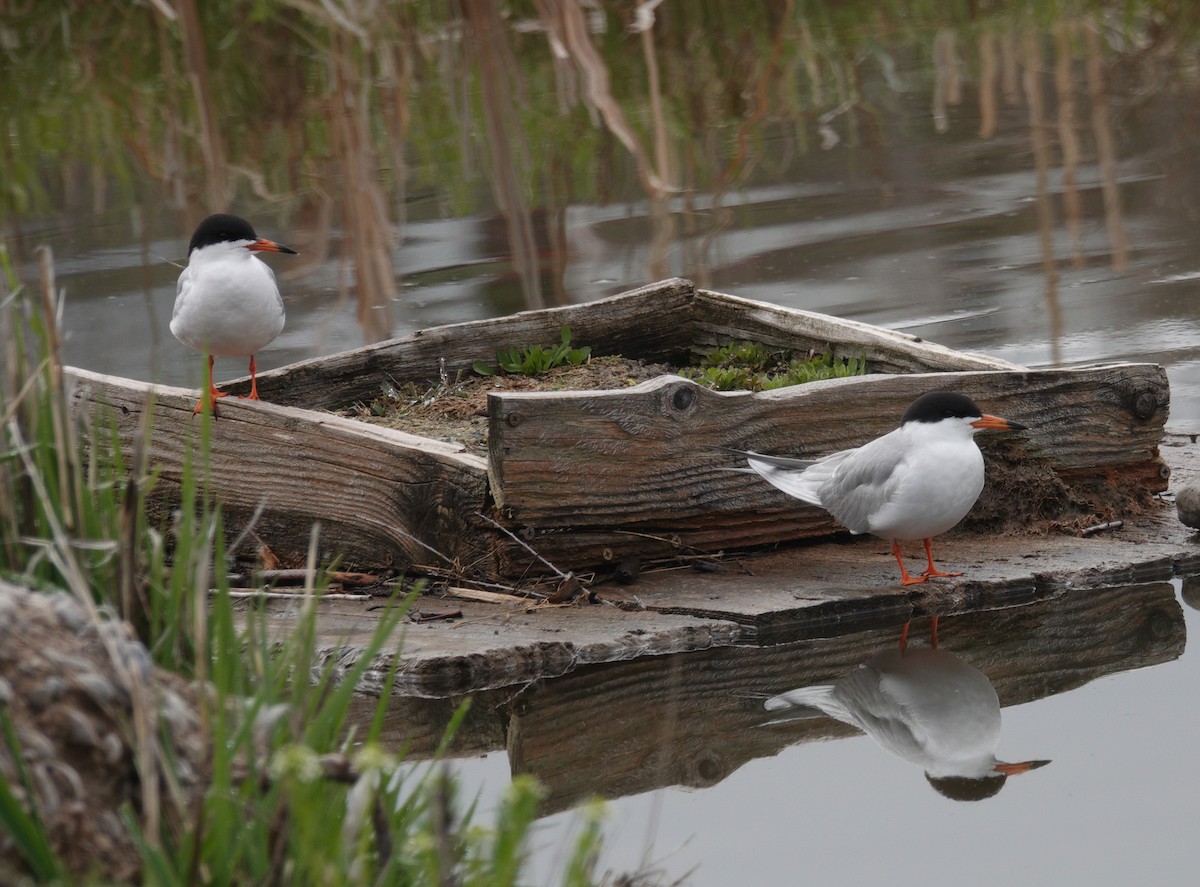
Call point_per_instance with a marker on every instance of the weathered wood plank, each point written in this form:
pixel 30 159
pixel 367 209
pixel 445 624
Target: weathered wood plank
pixel 373 490
pixel 494 645
pixel 664 321
pixel 721 317
pixel 653 322
pixel 646 460
pixel 691 720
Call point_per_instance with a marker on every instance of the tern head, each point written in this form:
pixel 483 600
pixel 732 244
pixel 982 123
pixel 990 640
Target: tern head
pixel 978 787
pixel 952 407
pixel 234 232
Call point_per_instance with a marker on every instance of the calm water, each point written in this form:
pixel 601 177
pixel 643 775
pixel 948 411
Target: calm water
pixel 1028 191
pixel 1103 690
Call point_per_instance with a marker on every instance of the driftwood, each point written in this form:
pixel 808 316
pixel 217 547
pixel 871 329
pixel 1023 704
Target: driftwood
pixel 665 321
pixel 589 480
pixel 646 460
pixel 376 493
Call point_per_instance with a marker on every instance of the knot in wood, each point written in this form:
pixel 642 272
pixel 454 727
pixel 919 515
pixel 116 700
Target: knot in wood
pixel 683 398
pixel 1145 404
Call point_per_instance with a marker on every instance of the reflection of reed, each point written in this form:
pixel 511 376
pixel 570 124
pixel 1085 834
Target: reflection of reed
pixel 947 83
pixel 368 231
pixel 197 66
pixel 1010 70
pixel 565 22
pixel 1041 162
pixel 988 74
pixel 1105 152
pixel 506 140
pixel 1068 140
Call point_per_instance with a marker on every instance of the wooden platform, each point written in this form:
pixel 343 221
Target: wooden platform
pixel 809 591
pixel 592 479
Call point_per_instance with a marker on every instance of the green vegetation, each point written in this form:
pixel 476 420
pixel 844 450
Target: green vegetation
pixel 110 90
pixel 532 360
pixel 752 366
pixel 283 792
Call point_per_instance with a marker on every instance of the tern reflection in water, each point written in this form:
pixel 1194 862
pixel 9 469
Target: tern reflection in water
pixel 924 705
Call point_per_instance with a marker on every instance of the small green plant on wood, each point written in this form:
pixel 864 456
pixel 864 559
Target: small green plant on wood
pixel 753 366
pixel 533 360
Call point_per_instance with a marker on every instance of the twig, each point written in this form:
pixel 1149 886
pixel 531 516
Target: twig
pixel 559 573
pixel 263 594
pixel 450 574
pixel 478 594
pixel 1100 528
pixel 355 580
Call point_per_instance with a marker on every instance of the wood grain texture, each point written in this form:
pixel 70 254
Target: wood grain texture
pixel 721 317
pixel 664 321
pixel 373 490
pixel 604 475
pixel 592 477
pixel 653 322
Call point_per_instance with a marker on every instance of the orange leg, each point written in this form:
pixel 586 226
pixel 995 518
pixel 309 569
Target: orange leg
pixel 933 571
pixel 209 398
pixel 933 635
pixel 906 579
pixel 253 395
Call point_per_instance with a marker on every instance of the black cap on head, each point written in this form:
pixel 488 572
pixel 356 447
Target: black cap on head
pixel 938 405
pixel 963 788
pixel 221 228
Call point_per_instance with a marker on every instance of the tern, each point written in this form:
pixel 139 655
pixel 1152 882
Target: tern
pixel 227 303
pixel 915 482
pixel 923 705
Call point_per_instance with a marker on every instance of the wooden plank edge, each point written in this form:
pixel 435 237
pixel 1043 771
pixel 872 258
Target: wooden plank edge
pixel 890 350
pixel 424 492
pixel 354 375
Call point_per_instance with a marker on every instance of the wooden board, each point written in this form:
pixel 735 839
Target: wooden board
pixel 663 321
pixel 640 472
pixel 373 491
pixel 629 323
pixel 721 318
pixel 593 478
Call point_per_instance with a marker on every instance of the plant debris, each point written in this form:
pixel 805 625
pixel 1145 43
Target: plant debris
pixel 456 410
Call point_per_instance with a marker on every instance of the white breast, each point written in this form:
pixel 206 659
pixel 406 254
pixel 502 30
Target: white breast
pixel 227 303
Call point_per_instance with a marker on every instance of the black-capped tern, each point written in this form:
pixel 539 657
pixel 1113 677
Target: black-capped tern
pixel 912 483
pixel 227 303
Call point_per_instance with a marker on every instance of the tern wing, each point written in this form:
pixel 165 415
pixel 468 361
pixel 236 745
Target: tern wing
pixel 807 703
pixel 863 481
pixel 182 286
pixel 801 478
